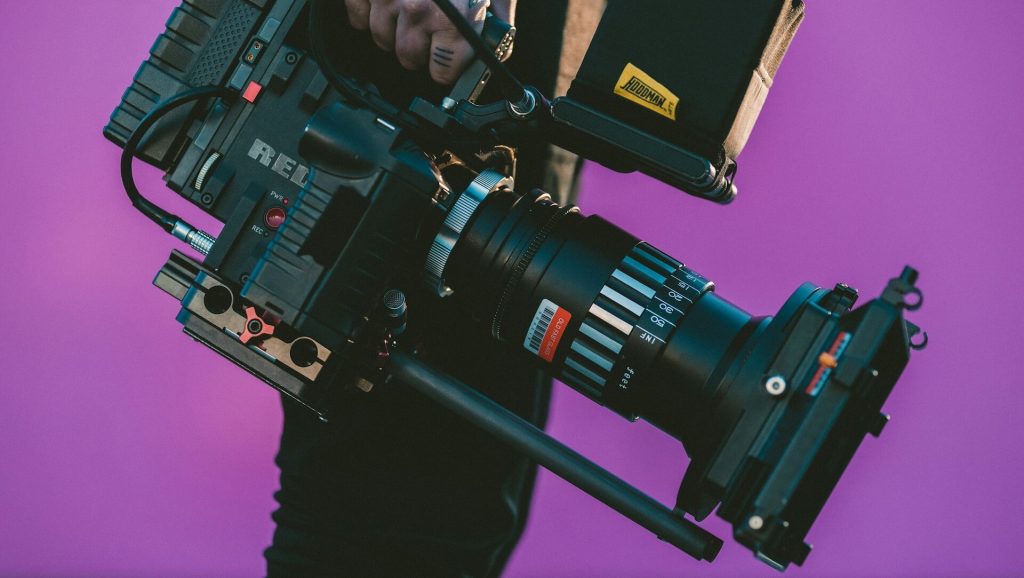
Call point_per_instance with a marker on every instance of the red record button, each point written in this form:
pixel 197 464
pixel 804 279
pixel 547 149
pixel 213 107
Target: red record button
pixel 274 217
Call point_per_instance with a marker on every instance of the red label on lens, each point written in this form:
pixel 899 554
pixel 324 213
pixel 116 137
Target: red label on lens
pixel 546 330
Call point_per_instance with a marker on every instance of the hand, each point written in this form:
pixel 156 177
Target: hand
pixel 419 33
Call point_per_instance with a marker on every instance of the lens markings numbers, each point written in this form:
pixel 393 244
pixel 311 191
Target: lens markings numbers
pixel 660 317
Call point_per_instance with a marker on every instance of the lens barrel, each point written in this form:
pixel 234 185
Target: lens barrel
pixel 770 410
pixel 615 318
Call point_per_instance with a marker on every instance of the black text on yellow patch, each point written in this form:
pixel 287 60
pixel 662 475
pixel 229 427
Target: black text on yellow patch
pixel 637 86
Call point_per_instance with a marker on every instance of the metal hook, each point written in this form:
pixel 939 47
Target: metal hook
pixel 916 304
pixel 921 343
pixel 913 331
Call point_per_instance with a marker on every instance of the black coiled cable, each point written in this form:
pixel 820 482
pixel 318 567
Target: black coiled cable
pixel 157 214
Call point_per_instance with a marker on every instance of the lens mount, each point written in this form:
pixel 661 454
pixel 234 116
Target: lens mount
pixel 455 222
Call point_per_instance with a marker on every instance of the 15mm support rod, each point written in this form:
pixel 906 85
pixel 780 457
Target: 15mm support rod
pixel 555 456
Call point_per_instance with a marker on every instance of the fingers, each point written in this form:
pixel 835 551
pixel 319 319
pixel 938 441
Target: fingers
pixel 412 39
pixel 504 10
pixel 419 34
pixel 383 19
pixel 358 13
pixel 449 55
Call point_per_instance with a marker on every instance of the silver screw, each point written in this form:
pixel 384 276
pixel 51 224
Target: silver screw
pixel 776 385
pixel 755 522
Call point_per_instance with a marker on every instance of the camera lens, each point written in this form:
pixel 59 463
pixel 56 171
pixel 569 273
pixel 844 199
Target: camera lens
pixel 615 318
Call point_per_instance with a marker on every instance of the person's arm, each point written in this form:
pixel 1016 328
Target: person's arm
pixel 420 35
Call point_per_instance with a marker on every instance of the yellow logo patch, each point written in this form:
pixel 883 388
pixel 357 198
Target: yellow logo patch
pixel 636 85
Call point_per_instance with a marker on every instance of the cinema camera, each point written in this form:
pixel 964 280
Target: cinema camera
pixel 337 203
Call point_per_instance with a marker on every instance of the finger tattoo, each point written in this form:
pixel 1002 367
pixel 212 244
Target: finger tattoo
pixel 443 56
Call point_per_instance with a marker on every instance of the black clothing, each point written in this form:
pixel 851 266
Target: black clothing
pixel 396 485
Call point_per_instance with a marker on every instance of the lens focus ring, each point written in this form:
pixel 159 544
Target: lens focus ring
pixel 629 323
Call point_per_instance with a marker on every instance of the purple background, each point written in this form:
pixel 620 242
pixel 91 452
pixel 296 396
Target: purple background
pixel 892 136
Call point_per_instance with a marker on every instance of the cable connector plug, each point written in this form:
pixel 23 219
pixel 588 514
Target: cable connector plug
pixel 199 240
